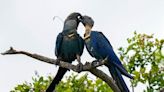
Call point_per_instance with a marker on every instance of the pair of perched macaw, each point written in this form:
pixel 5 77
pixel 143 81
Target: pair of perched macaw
pixel 69 46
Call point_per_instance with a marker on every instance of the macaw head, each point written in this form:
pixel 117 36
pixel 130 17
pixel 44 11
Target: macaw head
pixel 74 16
pixel 86 20
pixel 88 23
pixel 71 22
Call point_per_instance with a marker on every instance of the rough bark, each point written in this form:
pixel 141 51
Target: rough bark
pixel 91 67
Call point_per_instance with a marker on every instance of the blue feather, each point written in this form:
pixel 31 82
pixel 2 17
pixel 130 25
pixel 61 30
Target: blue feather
pixel 100 48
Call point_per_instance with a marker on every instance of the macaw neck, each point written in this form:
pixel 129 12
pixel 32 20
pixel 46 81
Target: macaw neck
pixel 69 32
pixel 70 25
pixel 87 34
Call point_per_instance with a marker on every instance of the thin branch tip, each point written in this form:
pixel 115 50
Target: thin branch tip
pixel 10 51
pixel 2 54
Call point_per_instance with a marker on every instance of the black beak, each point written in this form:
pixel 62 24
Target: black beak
pixel 81 18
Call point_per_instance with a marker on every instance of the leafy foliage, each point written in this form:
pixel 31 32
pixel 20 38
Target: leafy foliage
pixel 144 58
pixel 39 84
pixel 73 83
pixel 82 84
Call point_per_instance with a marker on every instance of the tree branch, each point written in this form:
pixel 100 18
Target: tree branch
pixel 86 67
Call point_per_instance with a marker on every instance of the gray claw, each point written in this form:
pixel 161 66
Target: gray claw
pixel 79 67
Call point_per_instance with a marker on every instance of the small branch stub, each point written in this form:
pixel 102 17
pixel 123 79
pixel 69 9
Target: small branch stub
pixel 10 51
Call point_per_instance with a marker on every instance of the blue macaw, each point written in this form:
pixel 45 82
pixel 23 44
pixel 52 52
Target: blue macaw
pixel 99 47
pixel 69 46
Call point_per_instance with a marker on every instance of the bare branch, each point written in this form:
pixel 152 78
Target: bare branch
pixel 105 78
pixel 86 67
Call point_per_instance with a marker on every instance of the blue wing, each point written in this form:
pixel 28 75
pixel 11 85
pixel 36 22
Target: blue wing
pixel 101 35
pixel 101 44
pixel 58 44
pixel 104 48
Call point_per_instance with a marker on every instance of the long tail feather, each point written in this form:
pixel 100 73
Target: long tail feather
pixel 116 75
pixel 57 79
pixel 123 71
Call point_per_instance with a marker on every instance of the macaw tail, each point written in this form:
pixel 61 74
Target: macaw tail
pixel 116 75
pixel 57 79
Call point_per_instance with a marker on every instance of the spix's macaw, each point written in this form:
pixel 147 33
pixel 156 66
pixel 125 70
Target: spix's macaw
pixel 99 47
pixel 69 46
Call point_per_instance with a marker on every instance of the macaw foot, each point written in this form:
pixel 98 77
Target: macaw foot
pixel 79 67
